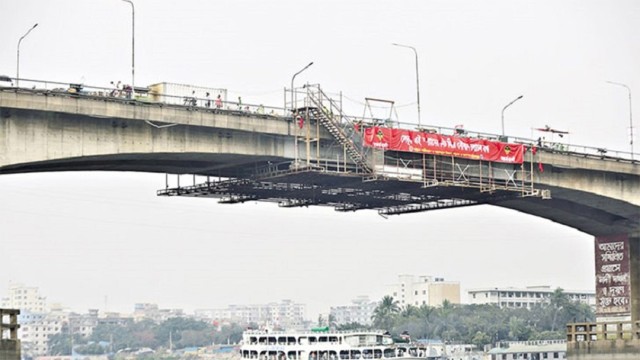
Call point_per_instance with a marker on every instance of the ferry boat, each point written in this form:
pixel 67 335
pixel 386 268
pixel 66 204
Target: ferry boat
pixel 331 345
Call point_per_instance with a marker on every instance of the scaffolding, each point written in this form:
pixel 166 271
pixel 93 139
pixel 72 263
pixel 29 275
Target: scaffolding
pixel 392 182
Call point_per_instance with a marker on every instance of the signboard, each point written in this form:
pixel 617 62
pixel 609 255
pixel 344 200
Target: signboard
pixel 612 276
pixel 445 145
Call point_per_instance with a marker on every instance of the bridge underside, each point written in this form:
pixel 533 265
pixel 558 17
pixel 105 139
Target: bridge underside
pixel 225 165
pixel 389 196
pixel 344 192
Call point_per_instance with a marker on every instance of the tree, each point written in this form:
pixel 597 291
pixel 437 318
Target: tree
pixel 352 326
pixel 332 321
pixel 90 349
pixel 480 339
pixel 385 313
pixel 175 327
pixel 518 329
pixel 118 336
pixel 60 343
pixel 557 301
pixel 228 334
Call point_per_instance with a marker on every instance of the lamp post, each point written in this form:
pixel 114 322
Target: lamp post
pixel 293 78
pixel 292 108
pixel 630 114
pixel 133 45
pixel 417 77
pixel 18 55
pixel 505 108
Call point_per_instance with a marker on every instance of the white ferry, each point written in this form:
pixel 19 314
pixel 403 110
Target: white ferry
pixel 331 345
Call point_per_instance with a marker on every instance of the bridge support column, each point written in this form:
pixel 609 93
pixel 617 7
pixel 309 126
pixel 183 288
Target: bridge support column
pixel 634 273
pixel 617 259
pixel 616 334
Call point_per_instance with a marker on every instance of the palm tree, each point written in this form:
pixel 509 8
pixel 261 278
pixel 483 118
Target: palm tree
pixel 385 313
pixel 409 311
pixel 558 300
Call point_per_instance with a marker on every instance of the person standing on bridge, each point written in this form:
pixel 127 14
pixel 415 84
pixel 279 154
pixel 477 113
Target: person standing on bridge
pixel 208 102
pixel 219 102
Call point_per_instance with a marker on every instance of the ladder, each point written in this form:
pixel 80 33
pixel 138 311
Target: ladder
pixel 343 130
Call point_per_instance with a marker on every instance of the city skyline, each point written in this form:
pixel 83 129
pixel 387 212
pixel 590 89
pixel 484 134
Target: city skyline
pixel 46 306
pixel 83 236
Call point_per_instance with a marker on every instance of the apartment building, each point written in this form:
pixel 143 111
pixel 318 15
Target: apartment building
pixel 424 290
pixel 512 297
pixel 359 311
pixel 286 314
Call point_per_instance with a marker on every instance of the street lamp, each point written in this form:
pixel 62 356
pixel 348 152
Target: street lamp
pixel 417 76
pixel 133 45
pixel 292 108
pixel 293 78
pixel 505 108
pixel 18 55
pixel 630 114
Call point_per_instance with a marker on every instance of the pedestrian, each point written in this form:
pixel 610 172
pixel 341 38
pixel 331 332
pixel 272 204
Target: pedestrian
pixel 219 102
pixel 239 103
pixel 208 103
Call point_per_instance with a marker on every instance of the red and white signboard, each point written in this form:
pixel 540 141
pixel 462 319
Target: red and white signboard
pixel 445 145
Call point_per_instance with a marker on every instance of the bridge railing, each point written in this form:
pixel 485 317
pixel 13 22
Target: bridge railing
pixel 141 95
pixel 544 145
pixel 624 330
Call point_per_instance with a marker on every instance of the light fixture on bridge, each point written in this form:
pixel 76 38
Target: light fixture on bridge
pixel 295 147
pixel 505 108
pixel 630 114
pixel 133 46
pixel 417 77
pixel 18 55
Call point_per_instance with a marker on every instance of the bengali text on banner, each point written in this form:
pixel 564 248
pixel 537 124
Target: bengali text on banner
pixel 445 145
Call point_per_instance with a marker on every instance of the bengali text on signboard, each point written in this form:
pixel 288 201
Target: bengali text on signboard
pixel 444 145
pixel 612 275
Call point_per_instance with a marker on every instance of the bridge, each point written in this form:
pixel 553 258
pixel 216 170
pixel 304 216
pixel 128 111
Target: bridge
pixel 312 153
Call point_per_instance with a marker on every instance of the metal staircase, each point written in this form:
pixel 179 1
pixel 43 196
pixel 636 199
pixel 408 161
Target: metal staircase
pixel 340 126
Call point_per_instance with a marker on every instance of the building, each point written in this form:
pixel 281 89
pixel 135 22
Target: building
pixel 39 327
pixel 359 311
pixel 25 298
pixel 152 312
pixel 424 290
pixel 530 350
pixel 9 343
pixel 286 314
pixel 511 297
pixel 35 334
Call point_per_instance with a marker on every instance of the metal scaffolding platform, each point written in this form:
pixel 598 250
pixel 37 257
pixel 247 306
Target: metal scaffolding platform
pixel 342 191
pixel 392 182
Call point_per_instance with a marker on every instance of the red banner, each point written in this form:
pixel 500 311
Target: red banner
pixel 445 145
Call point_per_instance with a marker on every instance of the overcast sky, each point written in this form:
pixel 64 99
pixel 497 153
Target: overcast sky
pixel 84 237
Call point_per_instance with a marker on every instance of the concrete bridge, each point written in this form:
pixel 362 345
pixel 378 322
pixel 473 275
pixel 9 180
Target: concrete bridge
pixel 254 153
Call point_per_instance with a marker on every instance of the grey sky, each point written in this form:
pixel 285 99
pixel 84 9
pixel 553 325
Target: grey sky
pixel 81 236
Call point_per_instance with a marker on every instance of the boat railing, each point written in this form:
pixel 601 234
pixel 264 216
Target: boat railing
pixel 309 332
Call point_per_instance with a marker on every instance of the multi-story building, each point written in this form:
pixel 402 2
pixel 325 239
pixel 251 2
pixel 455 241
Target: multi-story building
pixel 9 344
pixel 359 311
pixel 511 297
pixel 25 298
pixel 286 314
pixel 152 312
pixel 519 350
pixel 424 290
pixel 36 333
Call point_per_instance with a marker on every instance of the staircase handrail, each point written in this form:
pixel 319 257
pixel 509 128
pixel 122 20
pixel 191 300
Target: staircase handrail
pixel 346 130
